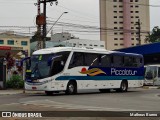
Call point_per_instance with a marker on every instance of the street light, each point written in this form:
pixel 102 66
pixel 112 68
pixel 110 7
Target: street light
pixel 56 22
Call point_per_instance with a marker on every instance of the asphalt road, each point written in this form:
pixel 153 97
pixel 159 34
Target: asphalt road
pixel 134 100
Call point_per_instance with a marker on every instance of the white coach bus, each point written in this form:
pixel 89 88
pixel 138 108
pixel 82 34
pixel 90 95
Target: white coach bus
pixel 69 69
pixel 152 74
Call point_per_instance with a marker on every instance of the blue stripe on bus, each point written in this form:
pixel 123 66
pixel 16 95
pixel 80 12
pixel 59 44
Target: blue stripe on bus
pixel 100 78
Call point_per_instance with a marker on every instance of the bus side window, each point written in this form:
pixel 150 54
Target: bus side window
pixel 158 71
pixel 105 61
pixel 118 61
pixel 128 61
pixel 76 60
pixel 137 62
pixel 91 59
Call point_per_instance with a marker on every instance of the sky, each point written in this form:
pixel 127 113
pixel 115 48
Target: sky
pixel 81 13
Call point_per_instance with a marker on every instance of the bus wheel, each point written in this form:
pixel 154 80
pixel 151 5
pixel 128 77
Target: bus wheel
pixel 49 93
pixel 71 88
pixel 104 90
pixel 124 86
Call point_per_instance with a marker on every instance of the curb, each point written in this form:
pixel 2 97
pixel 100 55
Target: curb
pixel 151 87
pixel 13 92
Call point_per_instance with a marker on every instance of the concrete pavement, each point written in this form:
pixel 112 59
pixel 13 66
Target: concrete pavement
pixel 20 91
pixel 14 91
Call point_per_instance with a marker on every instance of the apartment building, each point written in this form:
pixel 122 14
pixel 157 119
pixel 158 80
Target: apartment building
pixel 10 42
pixel 119 22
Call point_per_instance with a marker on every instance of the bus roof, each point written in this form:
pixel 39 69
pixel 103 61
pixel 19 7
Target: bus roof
pixel 79 49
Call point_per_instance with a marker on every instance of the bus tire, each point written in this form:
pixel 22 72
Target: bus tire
pixel 104 90
pixel 71 88
pixel 49 93
pixel 124 86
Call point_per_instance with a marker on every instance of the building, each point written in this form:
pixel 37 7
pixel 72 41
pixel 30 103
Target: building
pixel 59 37
pixel 118 22
pixel 85 43
pixel 72 43
pixel 13 43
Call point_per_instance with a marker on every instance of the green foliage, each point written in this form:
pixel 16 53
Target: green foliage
pixel 15 82
pixel 154 36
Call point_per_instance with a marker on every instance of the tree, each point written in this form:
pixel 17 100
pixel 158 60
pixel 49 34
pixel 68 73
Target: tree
pixel 154 36
pixel 10 60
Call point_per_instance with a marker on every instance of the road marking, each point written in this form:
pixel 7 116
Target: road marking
pixel 49 103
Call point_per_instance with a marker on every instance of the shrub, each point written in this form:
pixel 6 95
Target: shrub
pixel 15 82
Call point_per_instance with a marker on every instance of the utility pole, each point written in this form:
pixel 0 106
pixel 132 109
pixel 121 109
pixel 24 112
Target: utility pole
pixel 41 22
pixel 44 26
pixel 139 31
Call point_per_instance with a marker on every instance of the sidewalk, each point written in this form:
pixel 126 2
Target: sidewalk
pixel 12 92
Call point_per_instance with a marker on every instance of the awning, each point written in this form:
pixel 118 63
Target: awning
pixel 12 50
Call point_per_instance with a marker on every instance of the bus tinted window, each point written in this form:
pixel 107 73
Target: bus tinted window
pixel 137 62
pixel 59 61
pixel 77 60
pixel 128 61
pixel 91 59
pixel 158 71
pixel 105 61
pixel 118 61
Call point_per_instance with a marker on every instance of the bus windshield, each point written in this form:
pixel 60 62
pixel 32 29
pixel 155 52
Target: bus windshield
pixel 150 72
pixel 46 65
pixel 39 65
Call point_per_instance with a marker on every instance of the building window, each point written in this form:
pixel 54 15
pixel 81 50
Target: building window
pixel 1 41
pixel 24 43
pixel 115 38
pixel 10 42
pixel 121 44
pixel 115 44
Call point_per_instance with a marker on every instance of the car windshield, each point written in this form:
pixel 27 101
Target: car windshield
pixel 39 65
